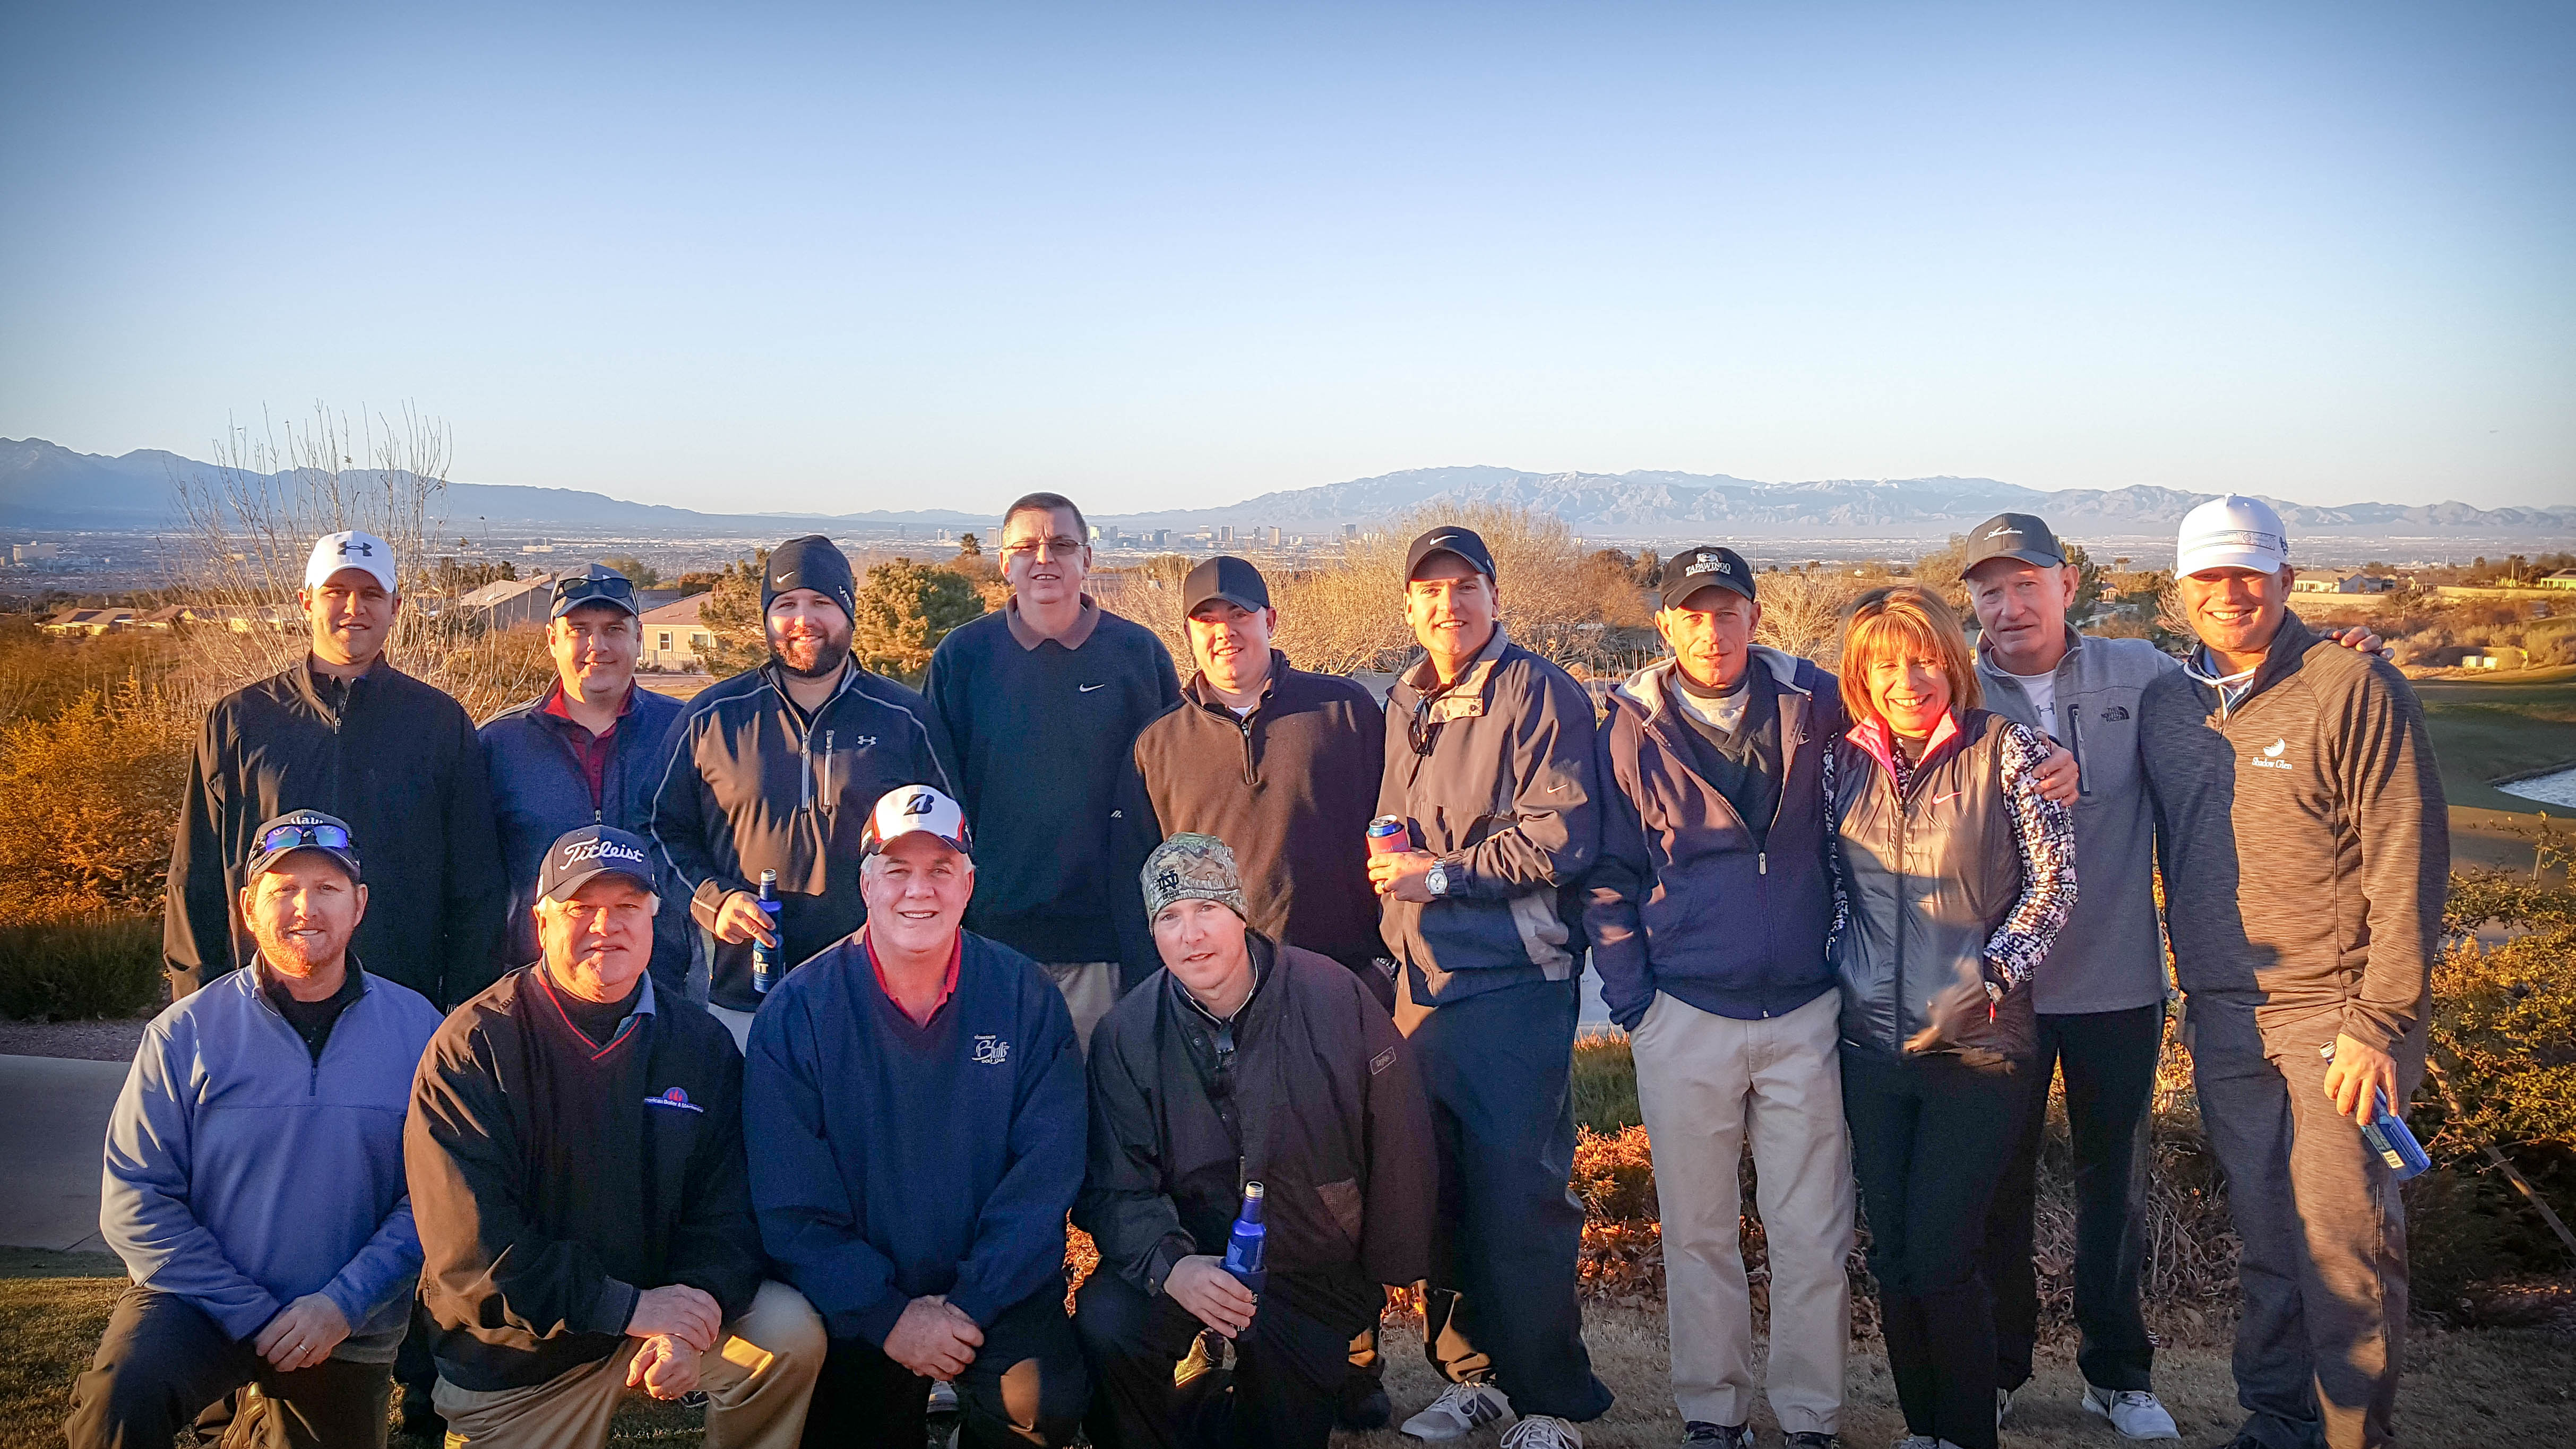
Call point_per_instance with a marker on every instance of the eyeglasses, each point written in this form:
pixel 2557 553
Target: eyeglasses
pixel 1058 546
pixel 615 587
pixel 296 837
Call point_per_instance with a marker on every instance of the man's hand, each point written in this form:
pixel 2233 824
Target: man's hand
pixel 664 1367
pixel 679 1311
pixel 1212 1295
pixel 1399 874
pixel 302 1334
pixel 740 920
pixel 2358 1076
pixel 2056 776
pixel 2359 639
pixel 933 1339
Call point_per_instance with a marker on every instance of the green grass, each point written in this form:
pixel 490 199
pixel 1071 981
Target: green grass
pixel 75 970
pixel 2486 731
pixel 1605 1083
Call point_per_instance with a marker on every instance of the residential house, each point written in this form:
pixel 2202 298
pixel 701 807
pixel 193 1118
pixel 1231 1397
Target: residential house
pixel 81 622
pixel 2563 579
pixel 674 640
pixel 2341 581
pixel 509 603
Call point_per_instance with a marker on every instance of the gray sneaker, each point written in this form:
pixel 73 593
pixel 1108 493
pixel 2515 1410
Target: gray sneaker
pixel 1701 1434
pixel 2135 1413
pixel 1812 1439
pixel 1460 1410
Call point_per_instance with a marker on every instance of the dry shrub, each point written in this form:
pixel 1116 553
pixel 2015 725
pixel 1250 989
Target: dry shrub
pixel 86 803
pixel 1802 613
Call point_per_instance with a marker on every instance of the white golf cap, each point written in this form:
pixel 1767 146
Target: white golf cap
pixel 2234 532
pixel 916 810
pixel 350 549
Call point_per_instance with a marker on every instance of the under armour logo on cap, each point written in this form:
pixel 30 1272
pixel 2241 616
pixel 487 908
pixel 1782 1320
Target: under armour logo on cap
pixel 350 549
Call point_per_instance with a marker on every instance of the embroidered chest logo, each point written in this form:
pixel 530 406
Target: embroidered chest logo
pixel 2272 756
pixel 676 1098
pixel 991 1051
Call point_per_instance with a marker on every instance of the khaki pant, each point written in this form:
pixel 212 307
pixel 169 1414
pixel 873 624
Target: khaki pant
pixel 737 1022
pixel 1090 988
pixel 757 1381
pixel 1704 1083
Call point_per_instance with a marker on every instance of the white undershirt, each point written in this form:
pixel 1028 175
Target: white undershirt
pixel 2042 689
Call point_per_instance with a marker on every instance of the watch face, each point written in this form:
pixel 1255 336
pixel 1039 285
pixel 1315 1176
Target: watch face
pixel 1438 879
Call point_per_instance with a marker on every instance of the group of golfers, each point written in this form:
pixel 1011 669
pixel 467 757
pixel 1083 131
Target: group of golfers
pixel 757 1050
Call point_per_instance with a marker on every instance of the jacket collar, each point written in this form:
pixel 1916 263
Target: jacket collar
pixel 1199 693
pixel 306 690
pixel 774 674
pixel 254 981
pixel 1466 698
pixel 1874 736
pixel 1083 624
pixel 1645 688
pixel 2288 645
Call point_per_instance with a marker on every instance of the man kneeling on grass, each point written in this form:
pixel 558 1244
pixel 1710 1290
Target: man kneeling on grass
pixel 254 1180
pixel 915 1113
pixel 1242 1061
pixel 576 1158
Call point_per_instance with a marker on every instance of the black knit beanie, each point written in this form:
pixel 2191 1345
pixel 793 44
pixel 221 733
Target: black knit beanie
pixel 811 562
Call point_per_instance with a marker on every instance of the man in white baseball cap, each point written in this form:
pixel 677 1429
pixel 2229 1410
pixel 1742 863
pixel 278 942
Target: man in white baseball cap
pixel 913 1101
pixel 351 548
pixel 2306 852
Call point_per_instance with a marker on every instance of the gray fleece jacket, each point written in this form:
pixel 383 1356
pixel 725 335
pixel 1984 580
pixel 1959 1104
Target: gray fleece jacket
pixel 2109 957
pixel 2305 841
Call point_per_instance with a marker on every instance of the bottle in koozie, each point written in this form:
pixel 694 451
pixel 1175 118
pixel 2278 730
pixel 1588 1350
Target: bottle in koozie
pixel 1246 1248
pixel 2390 1137
pixel 767 961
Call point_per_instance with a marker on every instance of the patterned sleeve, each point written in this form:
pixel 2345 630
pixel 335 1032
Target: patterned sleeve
pixel 1834 856
pixel 2045 831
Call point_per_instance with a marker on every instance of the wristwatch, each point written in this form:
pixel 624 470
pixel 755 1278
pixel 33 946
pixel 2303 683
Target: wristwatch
pixel 1436 879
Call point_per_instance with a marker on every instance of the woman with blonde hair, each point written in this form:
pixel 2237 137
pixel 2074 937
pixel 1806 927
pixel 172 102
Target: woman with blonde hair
pixel 1955 873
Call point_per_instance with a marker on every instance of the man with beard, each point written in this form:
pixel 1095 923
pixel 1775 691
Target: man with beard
pixel 776 769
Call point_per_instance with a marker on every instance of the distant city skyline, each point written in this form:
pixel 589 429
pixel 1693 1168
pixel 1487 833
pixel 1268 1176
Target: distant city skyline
pixel 1164 255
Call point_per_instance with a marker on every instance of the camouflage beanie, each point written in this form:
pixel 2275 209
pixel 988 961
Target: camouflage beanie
pixel 1192 867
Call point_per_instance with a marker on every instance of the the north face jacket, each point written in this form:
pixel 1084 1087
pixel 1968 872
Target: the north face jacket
pixel 540 790
pixel 2305 840
pixel 1329 1117
pixel 396 759
pixel 1682 899
pixel 1495 776
pixel 2109 957
pixel 750 785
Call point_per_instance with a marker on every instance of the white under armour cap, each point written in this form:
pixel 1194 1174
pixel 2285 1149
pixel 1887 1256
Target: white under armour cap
pixel 2234 532
pixel 352 549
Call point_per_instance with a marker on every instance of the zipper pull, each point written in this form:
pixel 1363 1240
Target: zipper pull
pixel 1761 862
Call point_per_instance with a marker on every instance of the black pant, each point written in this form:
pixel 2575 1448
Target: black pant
pixel 2109 1058
pixel 1929 1135
pixel 162 1360
pixel 1026 1386
pixel 1508 1231
pixel 1288 1377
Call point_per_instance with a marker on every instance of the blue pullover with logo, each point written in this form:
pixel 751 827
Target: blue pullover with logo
pixel 891 1160
pixel 243 1173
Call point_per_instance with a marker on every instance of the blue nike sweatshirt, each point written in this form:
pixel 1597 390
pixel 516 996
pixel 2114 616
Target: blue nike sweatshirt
pixel 891 1160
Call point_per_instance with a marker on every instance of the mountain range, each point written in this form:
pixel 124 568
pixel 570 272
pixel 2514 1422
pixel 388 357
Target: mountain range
pixel 46 486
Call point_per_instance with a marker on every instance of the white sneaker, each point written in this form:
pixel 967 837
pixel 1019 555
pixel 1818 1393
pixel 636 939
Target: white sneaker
pixel 2134 1412
pixel 1460 1410
pixel 1543 1431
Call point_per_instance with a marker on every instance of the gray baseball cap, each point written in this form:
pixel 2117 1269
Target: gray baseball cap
pixel 2020 536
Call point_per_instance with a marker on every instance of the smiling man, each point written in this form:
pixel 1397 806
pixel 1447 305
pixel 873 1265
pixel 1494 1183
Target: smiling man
pixel 1242 1060
pixel 2306 854
pixel 914 1105
pixel 589 751
pixel 345 731
pixel 1035 708
pixel 576 1163
pixel 1489 763
pixel 254 1183
pixel 1280 764
pixel 776 769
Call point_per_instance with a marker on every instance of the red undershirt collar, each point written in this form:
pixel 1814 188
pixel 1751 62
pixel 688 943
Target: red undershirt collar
pixel 947 989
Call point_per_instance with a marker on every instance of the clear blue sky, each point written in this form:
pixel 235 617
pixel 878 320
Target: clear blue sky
pixel 869 256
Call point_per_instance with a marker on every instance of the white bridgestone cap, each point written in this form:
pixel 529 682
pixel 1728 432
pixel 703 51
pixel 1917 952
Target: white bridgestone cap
pixel 2234 532
pixel 351 549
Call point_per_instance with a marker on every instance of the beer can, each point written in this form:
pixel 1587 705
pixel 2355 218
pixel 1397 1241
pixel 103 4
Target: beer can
pixel 1387 835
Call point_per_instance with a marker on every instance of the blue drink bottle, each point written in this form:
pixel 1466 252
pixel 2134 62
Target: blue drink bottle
pixel 767 963
pixel 1247 1247
pixel 2389 1136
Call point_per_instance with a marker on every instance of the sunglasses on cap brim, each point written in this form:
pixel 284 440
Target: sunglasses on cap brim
pixel 297 837
pixel 617 587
